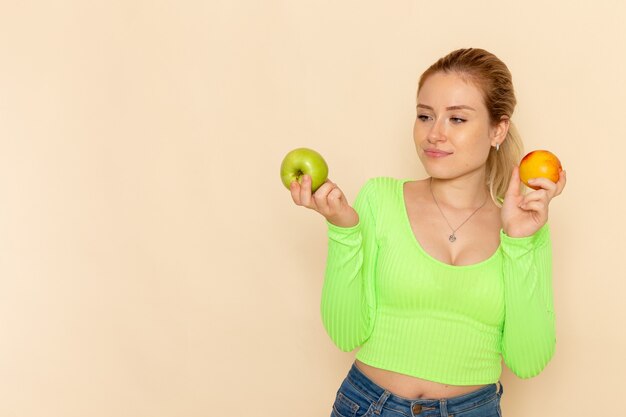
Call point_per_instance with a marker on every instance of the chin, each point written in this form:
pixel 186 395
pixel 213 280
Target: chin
pixel 438 176
pixel 442 173
pixel 439 172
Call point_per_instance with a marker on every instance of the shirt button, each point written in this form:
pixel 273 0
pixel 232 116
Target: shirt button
pixel 417 408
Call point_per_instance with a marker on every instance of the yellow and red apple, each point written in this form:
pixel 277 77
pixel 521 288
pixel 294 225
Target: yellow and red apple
pixel 539 163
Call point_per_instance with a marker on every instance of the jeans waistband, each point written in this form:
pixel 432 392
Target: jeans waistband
pixel 389 400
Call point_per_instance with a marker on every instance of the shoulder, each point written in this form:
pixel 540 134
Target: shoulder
pixel 377 190
pixel 381 191
pixel 383 183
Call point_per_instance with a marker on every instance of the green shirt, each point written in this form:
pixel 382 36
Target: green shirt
pixel 413 314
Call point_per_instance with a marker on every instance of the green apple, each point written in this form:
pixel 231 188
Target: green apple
pixel 301 161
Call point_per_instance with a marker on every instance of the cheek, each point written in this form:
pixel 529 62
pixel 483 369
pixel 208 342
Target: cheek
pixel 481 152
pixel 478 145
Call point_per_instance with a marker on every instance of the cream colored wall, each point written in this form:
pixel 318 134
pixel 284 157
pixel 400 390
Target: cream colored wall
pixel 151 262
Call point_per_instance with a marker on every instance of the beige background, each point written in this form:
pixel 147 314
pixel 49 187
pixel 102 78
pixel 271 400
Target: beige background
pixel 151 262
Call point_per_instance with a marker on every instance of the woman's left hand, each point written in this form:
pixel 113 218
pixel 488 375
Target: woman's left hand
pixel 522 215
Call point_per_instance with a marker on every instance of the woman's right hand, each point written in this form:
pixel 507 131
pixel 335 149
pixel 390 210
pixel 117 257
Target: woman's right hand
pixel 328 200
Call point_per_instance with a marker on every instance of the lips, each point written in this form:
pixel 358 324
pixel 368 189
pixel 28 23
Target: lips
pixel 436 153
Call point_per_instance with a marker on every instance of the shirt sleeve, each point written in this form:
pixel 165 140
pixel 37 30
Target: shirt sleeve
pixel 529 336
pixel 348 296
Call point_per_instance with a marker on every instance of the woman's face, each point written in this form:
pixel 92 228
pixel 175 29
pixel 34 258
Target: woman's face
pixel 452 131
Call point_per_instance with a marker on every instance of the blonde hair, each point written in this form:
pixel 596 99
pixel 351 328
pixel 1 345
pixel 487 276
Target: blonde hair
pixel 494 80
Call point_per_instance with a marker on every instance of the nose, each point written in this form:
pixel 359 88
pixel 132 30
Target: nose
pixel 436 132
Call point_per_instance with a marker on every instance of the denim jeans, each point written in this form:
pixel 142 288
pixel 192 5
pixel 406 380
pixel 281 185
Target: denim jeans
pixel 359 396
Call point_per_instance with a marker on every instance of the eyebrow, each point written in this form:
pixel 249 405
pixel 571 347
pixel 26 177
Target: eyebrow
pixel 448 108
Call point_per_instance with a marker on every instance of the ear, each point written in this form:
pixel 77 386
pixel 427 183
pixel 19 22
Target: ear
pixel 499 131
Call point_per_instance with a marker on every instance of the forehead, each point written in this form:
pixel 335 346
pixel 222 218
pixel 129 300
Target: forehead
pixel 442 90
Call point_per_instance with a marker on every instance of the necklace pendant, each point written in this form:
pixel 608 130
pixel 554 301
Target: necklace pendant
pixel 452 237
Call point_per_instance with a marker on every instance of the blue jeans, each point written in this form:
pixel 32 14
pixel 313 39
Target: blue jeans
pixel 359 396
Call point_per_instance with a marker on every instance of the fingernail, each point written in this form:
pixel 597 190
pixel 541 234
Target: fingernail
pixel 532 180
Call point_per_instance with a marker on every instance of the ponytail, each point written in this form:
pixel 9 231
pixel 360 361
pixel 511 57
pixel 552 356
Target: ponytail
pixel 500 164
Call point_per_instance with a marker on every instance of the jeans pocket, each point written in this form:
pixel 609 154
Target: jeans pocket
pixel 344 406
pixel 489 408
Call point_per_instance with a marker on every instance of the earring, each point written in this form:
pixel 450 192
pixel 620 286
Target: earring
pixel 497 147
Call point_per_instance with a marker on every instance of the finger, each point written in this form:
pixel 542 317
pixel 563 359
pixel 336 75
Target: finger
pixel 305 191
pixel 537 195
pixel 538 206
pixel 543 183
pixel 294 188
pixel 321 197
pixel 514 184
pixel 335 198
pixel 325 187
pixel 560 185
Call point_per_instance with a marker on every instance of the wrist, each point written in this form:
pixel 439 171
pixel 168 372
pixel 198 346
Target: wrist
pixel 347 219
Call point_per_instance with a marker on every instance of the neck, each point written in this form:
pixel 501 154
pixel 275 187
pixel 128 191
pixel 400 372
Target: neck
pixel 465 192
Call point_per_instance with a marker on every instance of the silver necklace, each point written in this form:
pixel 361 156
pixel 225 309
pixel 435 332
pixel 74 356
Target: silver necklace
pixel 452 237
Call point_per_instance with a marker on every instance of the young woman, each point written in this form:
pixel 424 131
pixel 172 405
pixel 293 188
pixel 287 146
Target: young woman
pixel 438 279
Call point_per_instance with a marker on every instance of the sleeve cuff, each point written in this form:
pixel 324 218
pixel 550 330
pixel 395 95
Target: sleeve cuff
pixel 342 233
pixel 517 246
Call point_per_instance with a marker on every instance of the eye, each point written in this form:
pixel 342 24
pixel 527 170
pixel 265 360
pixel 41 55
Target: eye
pixel 457 120
pixel 423 117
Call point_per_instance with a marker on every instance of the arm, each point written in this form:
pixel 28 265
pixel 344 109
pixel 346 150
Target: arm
pixel 529 337
pixel 348 296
